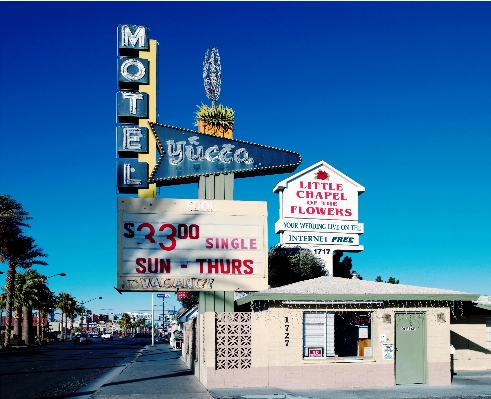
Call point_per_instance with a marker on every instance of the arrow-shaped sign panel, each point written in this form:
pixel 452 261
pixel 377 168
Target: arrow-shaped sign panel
pixel 186 154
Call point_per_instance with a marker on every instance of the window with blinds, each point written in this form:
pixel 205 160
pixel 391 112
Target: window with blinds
pixel 343 334
pixel 318 334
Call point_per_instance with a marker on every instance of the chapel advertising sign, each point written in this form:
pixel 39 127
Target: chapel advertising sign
pixel 320 192
pixel 319 211
pixel 191 245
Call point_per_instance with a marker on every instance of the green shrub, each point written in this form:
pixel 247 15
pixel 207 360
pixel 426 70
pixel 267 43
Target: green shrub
pixel 216 115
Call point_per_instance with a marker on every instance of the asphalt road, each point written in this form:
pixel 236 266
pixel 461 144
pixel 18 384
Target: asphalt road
pixel 58 369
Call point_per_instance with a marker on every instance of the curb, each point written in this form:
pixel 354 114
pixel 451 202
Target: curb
pixel 95 387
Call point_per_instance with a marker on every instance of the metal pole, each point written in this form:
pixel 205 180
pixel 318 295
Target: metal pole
pixel 152 323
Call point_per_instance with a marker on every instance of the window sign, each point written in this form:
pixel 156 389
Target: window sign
pixel 315 352
pixel 387 351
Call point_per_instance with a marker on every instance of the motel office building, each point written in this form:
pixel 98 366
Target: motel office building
pixel 332 332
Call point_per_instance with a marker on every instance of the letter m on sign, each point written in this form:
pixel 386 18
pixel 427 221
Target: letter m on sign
pixel 133 37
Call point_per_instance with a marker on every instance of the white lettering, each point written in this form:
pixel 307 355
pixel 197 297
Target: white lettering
pixel 133 97
pixel 131 138
pixel 132 39
pixel 177 152
pixel 133 76
pixel 127 175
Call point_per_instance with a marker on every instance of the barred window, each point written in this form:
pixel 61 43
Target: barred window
pixel 343 334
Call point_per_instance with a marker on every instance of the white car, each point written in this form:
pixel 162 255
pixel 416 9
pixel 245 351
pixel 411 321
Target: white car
pixel 107 336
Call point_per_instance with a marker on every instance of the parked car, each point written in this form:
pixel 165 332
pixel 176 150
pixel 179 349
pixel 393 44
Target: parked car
pixel 107 336
pixel 141 335
pixel 82 338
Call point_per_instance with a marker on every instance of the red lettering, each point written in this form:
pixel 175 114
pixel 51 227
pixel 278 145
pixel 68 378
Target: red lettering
pixel 339 212
pixel 247 264
pixel 309 194
pixel 236 263
pixel 235 243
pixel 154 265
pixel 213 266
pixel 140 262
pixel 253 243
pixel 201 264
pixel 339 187
pixel 298 194
pixel 209 243
pixel 225 269
pixel 164 265
pixel 224 243
pixel 321 211
pixel 335 196
pixel 343 198
pixel 330 211
pixel 153 269
pixel 347 212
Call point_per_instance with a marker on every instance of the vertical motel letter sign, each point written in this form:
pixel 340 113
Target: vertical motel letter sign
pixel 131 105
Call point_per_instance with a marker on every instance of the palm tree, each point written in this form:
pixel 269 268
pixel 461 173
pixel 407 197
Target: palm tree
pixel 63 301
pixel 19 250
pixel 31 291
pixel 88 313
pixel 45 304
pixel 72 313
pixel 3 299
pixel 12 214
pixel 18 300
pixel 77 310
pixel 124 322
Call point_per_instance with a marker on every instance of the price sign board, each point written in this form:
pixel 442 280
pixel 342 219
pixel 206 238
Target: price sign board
pixel 191 245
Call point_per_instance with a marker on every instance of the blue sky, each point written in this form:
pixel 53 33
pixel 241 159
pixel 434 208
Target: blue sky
pixel 395 95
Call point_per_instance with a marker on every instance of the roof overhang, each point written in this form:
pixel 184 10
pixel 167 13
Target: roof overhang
pixel 318 298
pixel 485 306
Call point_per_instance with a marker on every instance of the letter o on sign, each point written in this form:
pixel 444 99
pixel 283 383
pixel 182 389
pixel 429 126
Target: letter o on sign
pixel 133 76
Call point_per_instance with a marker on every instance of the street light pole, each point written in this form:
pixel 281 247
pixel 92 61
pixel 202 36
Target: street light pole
pixel 40 321
pixel 151 330
pixel 59 274
pixel 83 311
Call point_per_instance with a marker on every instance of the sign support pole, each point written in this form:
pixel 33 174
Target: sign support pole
pixel 151 88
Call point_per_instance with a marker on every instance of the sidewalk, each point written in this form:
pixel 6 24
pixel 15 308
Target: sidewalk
pixel 159 372
pixel 465 385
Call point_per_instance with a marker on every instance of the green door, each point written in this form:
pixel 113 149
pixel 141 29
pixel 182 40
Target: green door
pixel 410 352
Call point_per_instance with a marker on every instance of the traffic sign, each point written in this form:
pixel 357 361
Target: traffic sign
pixel 163 296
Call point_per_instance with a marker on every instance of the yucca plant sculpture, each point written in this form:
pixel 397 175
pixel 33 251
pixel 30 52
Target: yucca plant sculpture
pixel 217 119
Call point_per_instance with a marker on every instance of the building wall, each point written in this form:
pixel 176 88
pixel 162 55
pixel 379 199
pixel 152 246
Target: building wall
pixel 468 336
pixel 276 362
